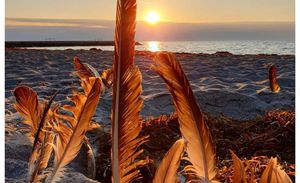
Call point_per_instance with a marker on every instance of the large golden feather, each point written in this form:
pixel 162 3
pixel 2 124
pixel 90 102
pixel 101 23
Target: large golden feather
pixel 167 170
pixel 126 128
pixel 126 124
pixel 71 129
pixel 274 174
pixel 192 125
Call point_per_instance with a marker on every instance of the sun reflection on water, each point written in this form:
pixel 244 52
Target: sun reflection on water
pixel 153 46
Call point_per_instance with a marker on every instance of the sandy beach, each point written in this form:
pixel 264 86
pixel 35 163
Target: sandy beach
pixel 234 86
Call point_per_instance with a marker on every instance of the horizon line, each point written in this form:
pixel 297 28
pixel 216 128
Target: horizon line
pixel 163 21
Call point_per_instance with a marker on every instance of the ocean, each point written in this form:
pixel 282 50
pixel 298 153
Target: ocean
pixel 235 47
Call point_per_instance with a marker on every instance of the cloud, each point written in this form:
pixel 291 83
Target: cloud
pixel 12 23
pixel 79 30
pixel 19 22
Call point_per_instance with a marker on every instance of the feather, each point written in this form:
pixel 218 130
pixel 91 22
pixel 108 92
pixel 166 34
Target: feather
pixel 93 126
pixel 84 70
pixel 126 106
pixel 71 129
pixel 126 128
pixel 252 176
pixel 106 77
pixel 30 109
pixel 47 150
pixel 92 69
pixel 239 173
pixel 42 150
pixel 44 116
pixel 91 162
pixel 274 174
pixel 192 125
pixel 273 80
pixel 167 170
pixel 28 106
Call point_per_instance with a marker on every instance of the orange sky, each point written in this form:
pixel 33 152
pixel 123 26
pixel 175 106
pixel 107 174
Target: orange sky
pixel 169 10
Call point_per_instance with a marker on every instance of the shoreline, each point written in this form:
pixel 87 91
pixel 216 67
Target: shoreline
pixel 148 52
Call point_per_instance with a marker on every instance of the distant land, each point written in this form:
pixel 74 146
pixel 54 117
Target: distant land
pixel 15 44
pixel 17 29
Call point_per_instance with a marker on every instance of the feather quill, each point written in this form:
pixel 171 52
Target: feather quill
pixel 126 123
pixel 71 129
pixel 192 125
pixel 274 174
pixel 239 173
pixel 41 155
pixel 42 149
pixel 167 170
pixel 47 108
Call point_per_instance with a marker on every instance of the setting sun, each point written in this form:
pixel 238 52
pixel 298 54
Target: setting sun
pixel 152 17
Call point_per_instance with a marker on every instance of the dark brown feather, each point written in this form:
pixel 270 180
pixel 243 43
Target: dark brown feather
pixel 273 80
pixel 126 106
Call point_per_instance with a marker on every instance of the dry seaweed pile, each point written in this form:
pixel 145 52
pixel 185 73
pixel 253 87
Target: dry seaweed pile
pixel 271 135
pixel 257 141
pixel 253 141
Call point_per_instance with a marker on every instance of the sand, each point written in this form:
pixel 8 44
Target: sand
pixel 235 86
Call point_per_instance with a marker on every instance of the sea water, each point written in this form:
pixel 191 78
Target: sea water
pixel 235 47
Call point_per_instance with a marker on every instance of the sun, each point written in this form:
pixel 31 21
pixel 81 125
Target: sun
pixel 152 17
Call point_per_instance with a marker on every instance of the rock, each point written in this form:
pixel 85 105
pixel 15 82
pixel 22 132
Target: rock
pixel 95 49
pixel 223 54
